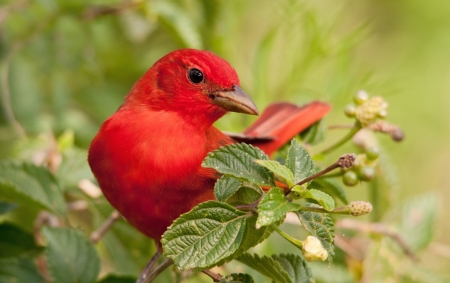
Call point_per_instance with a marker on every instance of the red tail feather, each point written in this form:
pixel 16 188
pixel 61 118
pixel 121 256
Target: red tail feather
pixel 282 121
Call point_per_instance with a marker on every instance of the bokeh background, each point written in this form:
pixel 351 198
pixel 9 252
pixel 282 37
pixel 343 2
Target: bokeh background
pixel 66 66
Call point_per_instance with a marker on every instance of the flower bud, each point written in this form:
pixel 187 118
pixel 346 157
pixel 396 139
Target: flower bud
pixel 358 208
pixel 313 250
pixel 369 111
pixel 360 97
pixel 349 110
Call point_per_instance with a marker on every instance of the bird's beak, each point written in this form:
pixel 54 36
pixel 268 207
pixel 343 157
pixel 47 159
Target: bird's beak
pixel 235 100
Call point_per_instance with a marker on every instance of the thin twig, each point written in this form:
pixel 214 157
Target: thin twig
pixel 346 126
pixel 345 161
pixel 100 232
pixel 148 268
pixel 149 277
pixel 77 205
pixel 96 11
pixel 216 277
pixel 318 174
pixel 378 228
pixel 250 206
pixel 346 138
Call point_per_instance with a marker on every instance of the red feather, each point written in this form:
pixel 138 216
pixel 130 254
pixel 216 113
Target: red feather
pixel 147 156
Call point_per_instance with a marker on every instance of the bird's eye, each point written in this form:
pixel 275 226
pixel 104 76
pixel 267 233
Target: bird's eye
pixel 195 76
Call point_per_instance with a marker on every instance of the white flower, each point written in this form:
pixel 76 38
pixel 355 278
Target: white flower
pixel 313 250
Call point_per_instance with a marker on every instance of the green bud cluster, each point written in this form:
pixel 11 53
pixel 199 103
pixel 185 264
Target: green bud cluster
pixel 362 169
pixel 366 109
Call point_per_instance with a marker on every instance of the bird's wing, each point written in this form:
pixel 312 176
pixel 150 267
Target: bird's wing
pixel 280 122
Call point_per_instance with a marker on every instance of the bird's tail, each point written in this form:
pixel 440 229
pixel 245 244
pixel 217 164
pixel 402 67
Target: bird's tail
pixel 280 122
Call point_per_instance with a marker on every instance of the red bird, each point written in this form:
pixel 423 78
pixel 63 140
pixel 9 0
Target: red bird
pixel 147 156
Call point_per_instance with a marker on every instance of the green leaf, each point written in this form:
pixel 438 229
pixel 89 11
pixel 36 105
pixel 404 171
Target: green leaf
pixel 254 236
pixel 267 266
pixel 74 167
pixel 6 207
pixel 321 226
pixel 419 215
pixel 299 162
pixel 273 207
pixel 237 278
pixel 202 237
pixel 19 270
pixel 237 160
pixel 71 257
pixel 331 187
pixel 296 267
pixel 124 249
pixel 315 133
pixel 225 187
pixel 179 23
pixel 248 193
pixel 333 273
pixel 111 278
pixel 28 184
pixel 261 63
pixel 16 242
pixel 278 169
pixel 324 199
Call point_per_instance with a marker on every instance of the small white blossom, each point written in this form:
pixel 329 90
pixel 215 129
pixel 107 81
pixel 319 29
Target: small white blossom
pixel 313 250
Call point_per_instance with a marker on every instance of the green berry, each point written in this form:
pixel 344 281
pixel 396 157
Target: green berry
pixel 366 173
pixel 360 161
pixel 349 110
pixel 372 153
pixel 360 97
pixel 350 178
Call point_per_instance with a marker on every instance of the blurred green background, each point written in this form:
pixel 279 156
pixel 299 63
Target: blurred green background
pixel 67 65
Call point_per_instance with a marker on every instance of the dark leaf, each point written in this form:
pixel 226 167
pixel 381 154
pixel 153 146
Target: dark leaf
pixel 111 278
pixel 274 207
pixel 237 160
pixel 266 266
pixel 237 278
pixel 202 237
pixel 15 242
pixel 225 187
pixel 296 267
pixel 71 257
pixel 321 226
pixel 31 185
pixel 6 207
pixel 330 187
pixel 315 133
pixel 299 162
pixel 19 270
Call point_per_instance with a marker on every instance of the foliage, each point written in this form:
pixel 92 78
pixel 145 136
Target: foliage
pixel 65 67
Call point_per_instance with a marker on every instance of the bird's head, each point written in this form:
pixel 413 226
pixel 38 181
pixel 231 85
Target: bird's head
pixel 193 83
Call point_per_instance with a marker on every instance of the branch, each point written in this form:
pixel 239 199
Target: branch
pixel 346 138
pixel 100 232
pixel 96 11
pixel 378 228
pixel 384 127
pixel 216 277
pixel 345 162
pixel 342 126
pixel 149 275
